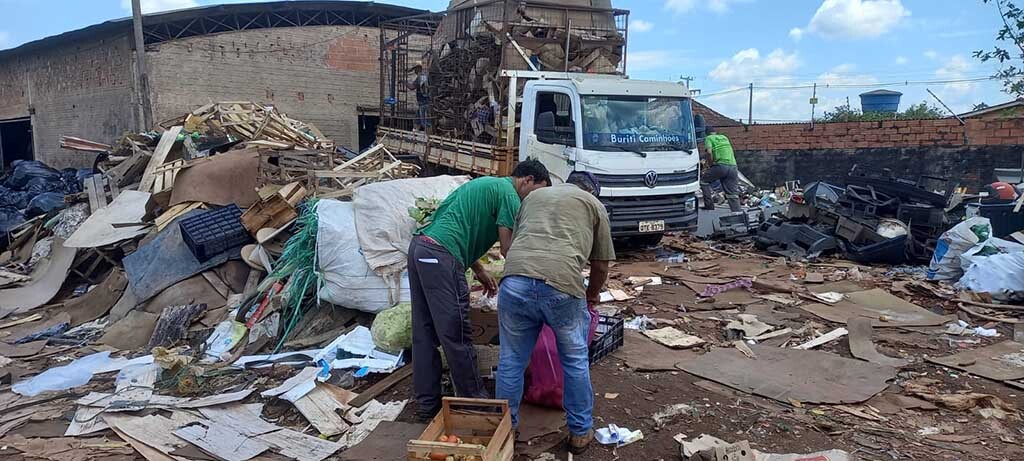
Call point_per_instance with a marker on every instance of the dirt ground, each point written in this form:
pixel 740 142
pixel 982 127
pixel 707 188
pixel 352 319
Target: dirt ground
pixel 629 398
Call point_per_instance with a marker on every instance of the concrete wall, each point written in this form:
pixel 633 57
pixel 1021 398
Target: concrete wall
pixel 81 90
pixel 772 154
pixel 316 74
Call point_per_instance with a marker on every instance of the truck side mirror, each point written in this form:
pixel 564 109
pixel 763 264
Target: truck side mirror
pixel 699 127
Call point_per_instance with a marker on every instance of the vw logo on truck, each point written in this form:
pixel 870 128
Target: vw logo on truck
pixel 651 179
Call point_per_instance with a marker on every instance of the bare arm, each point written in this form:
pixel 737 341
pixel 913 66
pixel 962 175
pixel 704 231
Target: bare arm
pixel 598 275
pixel 487 280
pixel 505 240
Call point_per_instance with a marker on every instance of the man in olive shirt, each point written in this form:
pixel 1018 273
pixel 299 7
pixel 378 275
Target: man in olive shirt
pixel 464 227
pixel 558 230
pixel 722 167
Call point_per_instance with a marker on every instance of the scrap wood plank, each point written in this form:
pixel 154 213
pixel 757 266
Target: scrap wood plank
pixel 381 386
pixel 321 408
pixel 163 147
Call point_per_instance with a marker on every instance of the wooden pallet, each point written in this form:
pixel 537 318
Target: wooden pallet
pixel 98 188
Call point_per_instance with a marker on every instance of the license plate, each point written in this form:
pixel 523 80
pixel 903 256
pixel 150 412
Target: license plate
pixel 652 226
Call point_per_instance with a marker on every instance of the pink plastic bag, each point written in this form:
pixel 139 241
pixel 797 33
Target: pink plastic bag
pixel 544 381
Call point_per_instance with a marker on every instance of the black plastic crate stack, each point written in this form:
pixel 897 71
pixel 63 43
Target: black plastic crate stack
pixel 609 336
pixel 213 232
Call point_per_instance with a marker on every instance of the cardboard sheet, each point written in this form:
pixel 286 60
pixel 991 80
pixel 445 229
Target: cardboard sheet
pixel 47 278
pixel 195 289
pixel 222 180
pixel 536 421
pixel 877 304
pixel 863 348
pixel 643 354
pixel 792 374
pixel 165 261
pixel 98 301
pixel 131 332
pixel 1001 361
pixel 385 443
pixel 98 230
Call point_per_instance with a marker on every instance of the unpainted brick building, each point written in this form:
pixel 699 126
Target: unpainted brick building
pixel 316 61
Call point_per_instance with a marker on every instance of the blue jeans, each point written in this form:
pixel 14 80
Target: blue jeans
pixel 524 306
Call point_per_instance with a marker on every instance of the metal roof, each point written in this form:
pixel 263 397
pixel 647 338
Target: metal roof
pixel 212 19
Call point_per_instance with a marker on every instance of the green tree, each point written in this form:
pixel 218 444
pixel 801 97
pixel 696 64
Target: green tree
pixel 844 113
pixel 1010 57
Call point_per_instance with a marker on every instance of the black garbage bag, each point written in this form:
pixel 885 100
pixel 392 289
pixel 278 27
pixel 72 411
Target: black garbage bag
pixel 14 199
pixel 27 170
pixel 72 179
pixel 45 203
pixel 9 219
pixel 41 185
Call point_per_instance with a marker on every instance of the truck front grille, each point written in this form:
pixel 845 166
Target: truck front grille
pixel 637 180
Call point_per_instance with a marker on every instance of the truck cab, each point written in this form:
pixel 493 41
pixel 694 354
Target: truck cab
pixel 636 137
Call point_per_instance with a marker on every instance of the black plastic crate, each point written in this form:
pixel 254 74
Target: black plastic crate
pixel 609 336
pixel 213 232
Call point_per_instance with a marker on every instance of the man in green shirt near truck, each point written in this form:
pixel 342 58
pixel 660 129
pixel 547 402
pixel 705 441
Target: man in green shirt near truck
pixel 465 226
pixel 721 163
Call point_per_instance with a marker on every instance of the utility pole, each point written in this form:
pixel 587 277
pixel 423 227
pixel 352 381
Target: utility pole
pixel 750 107
pixel 145 112
pixel 814 102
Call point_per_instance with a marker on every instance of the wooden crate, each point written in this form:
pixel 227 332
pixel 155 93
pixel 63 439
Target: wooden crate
pixel 485 427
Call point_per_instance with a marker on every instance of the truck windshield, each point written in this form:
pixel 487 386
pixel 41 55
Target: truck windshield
pixel 630 123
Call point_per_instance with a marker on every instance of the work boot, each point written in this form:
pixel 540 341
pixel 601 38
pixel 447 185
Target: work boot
pixel 579 443
pixel 709 204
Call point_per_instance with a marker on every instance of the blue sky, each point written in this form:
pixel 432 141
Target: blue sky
pixel 726 44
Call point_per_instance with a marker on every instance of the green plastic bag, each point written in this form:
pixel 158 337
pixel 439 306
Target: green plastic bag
pixel 392 329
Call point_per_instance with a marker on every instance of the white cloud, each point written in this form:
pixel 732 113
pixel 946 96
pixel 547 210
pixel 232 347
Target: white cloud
pixel 931 54
pixel 955 68
pixel 639 25
pixel 153 6
pixel 857 19
pixel 651 60
pixel 717 6
pixel 796 34
pixel 748 64
pixel 901 60
pixel 680 6
pixel 5 39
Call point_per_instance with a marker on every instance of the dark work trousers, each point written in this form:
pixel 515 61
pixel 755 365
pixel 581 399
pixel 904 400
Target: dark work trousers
pixel 729 175
pixel 440 317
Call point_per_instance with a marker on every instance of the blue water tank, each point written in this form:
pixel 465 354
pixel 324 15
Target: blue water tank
pixel 880 101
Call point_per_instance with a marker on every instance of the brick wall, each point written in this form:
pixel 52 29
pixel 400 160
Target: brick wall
pixel 316 74
pixel 83 89
pixel 881 134
pixel 772 154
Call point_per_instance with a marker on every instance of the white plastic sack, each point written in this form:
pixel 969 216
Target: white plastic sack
pixel 1001 275
pixel 347 280
pixel 987 248
pixel 382 218
pixel 945 263
pixel 74 374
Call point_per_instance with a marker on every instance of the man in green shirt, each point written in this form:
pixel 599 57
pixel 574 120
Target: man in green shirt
pixel 721 163
pixel 558 231
pixel 465 226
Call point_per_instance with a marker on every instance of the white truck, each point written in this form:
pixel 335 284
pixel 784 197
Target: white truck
pixel 637 137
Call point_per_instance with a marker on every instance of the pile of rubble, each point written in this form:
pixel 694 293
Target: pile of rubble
pixel 873 219
pixel 147 311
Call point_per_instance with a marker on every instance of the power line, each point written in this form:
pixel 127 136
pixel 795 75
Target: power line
pixel 852 85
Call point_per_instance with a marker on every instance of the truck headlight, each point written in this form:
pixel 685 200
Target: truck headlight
pixel 690 205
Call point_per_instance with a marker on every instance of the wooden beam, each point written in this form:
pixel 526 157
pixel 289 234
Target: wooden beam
pixel 382 386
pixel 167 141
